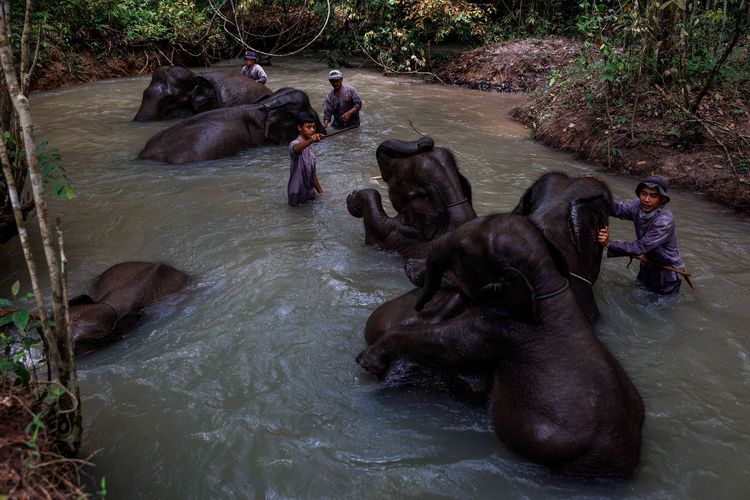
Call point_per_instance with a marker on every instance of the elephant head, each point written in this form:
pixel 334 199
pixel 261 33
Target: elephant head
pixel 425 186
pixel 500 262
pixel 570 211
pixel 120 294
pixel 282 108
pixel 177 92
pixel 426 189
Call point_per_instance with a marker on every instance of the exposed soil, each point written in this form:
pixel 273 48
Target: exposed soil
pixel 87 67
pixel 707 152
pixel 30 465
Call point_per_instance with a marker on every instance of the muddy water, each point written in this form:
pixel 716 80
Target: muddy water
pixel 246 386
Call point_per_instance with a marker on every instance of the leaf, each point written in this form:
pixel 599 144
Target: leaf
pixel 21 319
pixel 15 288
pixel 5 320
pixel 6 303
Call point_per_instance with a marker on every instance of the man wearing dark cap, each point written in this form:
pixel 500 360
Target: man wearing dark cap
pixel 342 103
pixel 655 233
pixel 252 69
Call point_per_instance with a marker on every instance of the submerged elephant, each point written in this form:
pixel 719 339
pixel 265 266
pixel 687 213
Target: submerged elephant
pixel 177 92
pixel 119 296
pixel 570 211
pixel 427 191
pixel 558 396
pixel 224 132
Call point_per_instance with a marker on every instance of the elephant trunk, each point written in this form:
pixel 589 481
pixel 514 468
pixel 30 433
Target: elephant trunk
pixel 437 264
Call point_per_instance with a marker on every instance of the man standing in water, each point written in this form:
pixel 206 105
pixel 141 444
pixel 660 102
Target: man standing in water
pixel 342 103
pixel 655 233
pixel 252 69
pixel 303 178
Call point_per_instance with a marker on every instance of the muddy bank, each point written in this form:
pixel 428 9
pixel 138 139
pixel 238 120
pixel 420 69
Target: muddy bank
pixel 706 152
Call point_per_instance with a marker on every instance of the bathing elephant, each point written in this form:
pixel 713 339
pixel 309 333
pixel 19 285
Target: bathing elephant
pixel 427 191
pixel 570 211
pixel 558 396
pixel 224 132
pixel 177 92
pixel 119 296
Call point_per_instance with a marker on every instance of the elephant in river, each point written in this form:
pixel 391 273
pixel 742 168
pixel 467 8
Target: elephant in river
pixel 427 191
pixel 177 92
pixel 570 211
pixel 558 396
pixel 224 132
pixel 119 296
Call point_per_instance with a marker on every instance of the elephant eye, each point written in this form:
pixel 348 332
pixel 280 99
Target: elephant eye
pixel 169 98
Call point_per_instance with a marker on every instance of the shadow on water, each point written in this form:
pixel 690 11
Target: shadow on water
pixel 247 386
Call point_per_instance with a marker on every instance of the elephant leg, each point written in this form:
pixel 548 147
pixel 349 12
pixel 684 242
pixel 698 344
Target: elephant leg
pixel 400 311
pixel 381 230
pixel 458 342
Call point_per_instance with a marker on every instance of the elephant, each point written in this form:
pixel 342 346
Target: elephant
pixel 429 194
pixel 119 296
pixel 570 211
pixel 558 396
pixel 224 132
pixel 177 92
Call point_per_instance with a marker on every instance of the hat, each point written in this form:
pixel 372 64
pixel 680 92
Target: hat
pixel 251 55
pixel 335 75
pixel 654 181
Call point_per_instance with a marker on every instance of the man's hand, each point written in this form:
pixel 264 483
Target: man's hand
pixel 317 137
pixel 603 236
pixel 325 123
pixel 347 115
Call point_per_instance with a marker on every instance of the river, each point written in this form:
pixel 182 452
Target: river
pixel 245 386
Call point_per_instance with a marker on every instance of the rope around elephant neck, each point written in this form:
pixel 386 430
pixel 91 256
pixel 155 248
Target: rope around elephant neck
pixel 556 292
pixel 581 278
pixel 456 203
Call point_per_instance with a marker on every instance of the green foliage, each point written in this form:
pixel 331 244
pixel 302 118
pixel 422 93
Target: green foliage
pixel 49 159
pixel 16 337
pixel 67 29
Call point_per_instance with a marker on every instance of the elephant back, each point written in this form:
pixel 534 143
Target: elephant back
pixel 395 148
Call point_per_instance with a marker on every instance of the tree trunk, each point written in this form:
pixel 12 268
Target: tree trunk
pixel 69 422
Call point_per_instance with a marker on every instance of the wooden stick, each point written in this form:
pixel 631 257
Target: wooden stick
pixel 684 273
pixel 340 131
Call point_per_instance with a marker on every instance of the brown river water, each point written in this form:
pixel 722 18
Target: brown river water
pixel 246 385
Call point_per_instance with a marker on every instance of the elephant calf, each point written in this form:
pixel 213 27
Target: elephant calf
pixel 425 188
pixel 558 396
pixel 119 296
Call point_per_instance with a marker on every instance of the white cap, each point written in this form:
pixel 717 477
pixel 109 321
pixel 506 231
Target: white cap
pixel 335 75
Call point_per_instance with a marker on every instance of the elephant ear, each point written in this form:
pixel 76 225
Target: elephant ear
pixel 513 295
pixel 202 95
pixel 586 216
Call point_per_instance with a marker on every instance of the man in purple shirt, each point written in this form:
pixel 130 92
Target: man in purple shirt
pixel 303 176
pixel 252 69
pixel 655 233
pixel 342 103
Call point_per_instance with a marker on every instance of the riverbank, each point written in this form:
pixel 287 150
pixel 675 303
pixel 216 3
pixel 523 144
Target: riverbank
pixel 704 151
